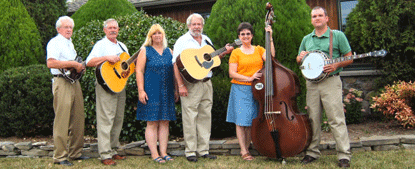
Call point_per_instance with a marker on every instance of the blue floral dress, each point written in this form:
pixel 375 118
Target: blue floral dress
pixel 158 84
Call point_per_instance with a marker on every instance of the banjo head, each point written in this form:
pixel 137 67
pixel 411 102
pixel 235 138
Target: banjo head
pixel 312 66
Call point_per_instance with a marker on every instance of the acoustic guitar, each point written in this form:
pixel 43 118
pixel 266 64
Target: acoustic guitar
pixel 195 64
pixel 113 77
pixel 71 74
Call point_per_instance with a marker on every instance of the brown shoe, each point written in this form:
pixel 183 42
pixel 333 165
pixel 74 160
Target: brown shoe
pixel 308 159
pixel 118 157
pixel 108 162
pixel 344 163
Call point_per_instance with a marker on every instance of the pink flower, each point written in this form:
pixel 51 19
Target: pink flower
pixel 346 100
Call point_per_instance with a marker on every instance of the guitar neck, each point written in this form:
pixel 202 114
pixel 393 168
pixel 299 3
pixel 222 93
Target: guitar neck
pixel 132 58
pixel 221 50
pixel 346 58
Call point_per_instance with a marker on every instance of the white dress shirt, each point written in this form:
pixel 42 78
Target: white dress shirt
pixel 60 48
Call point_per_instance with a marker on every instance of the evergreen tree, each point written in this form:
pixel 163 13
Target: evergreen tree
pixel 45 13
pixel 389 25
pixel 101 10
pixel 292 23
pixel 19 37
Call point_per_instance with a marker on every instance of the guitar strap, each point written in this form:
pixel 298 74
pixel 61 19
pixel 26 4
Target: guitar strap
pixel 331 44
pixel 121 47
pixel 210 44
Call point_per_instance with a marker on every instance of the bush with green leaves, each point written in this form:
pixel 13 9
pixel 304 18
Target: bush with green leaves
pixel 292 23
pixel 133 31
pixel 389 25
pixel 19 37
pixel 45 13
pixel 352 104
pixel 101 10
pixel 26 103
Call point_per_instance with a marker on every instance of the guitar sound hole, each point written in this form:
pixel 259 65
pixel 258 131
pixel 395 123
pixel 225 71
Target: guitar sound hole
pixel 207 57
pixel 124 65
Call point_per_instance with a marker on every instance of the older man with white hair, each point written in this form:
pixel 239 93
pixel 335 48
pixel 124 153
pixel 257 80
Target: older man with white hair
pixel 196 98
pixel 68 102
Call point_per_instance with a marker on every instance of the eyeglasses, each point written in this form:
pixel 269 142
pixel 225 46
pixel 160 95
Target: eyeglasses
pixel 243 34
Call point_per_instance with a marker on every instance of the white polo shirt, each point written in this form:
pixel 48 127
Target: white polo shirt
pixel 105 47
pixel 188 42
pixel 60 48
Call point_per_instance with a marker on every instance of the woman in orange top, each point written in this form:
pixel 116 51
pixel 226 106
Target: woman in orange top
pixel 244 64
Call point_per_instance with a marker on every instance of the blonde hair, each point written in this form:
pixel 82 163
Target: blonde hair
pixel 155 28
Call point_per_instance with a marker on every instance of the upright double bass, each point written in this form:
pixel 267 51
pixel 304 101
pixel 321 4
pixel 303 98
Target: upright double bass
pixel 279 131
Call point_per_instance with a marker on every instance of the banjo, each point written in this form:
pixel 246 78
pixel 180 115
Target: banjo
pixel 313 63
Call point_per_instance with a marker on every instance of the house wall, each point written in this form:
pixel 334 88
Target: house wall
pixel 332 10
pixel 180 12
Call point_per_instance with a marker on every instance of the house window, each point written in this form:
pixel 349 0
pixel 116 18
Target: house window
pixel 345 7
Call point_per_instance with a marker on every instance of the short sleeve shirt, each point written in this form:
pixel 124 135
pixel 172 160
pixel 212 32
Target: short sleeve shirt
pixel 105 47
pixel 60 48
pixel 340 44
pixel 248 64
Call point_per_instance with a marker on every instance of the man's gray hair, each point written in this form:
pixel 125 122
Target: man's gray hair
pixel 108 21
pixel 59 21
pixel 189 19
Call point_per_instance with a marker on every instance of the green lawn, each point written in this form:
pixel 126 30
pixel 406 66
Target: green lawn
pixel 372 159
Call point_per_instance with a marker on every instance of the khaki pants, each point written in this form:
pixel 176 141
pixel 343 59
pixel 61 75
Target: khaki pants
pixel 327 94
pixel 68 125
pixel 197 119
pixel 110 116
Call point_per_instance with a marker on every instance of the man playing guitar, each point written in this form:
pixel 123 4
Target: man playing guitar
pixel 196 98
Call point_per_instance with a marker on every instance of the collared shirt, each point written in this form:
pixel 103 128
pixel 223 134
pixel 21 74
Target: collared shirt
pixel 188 42
pixel 105 47
pixel 60 48
pixel 313 42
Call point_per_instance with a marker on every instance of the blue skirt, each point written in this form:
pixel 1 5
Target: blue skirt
pixel 242 107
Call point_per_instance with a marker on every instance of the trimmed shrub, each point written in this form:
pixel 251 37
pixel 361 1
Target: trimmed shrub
pixel 389 25
pixel 292 23
pixel 397 101
pixel 45 13
pixel 26 102
pixel 133 31
pixel 101 10
pixel 19 37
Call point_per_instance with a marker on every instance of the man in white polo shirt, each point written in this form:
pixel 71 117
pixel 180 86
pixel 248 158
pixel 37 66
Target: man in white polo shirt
pixel 110 106
pixel 68 102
